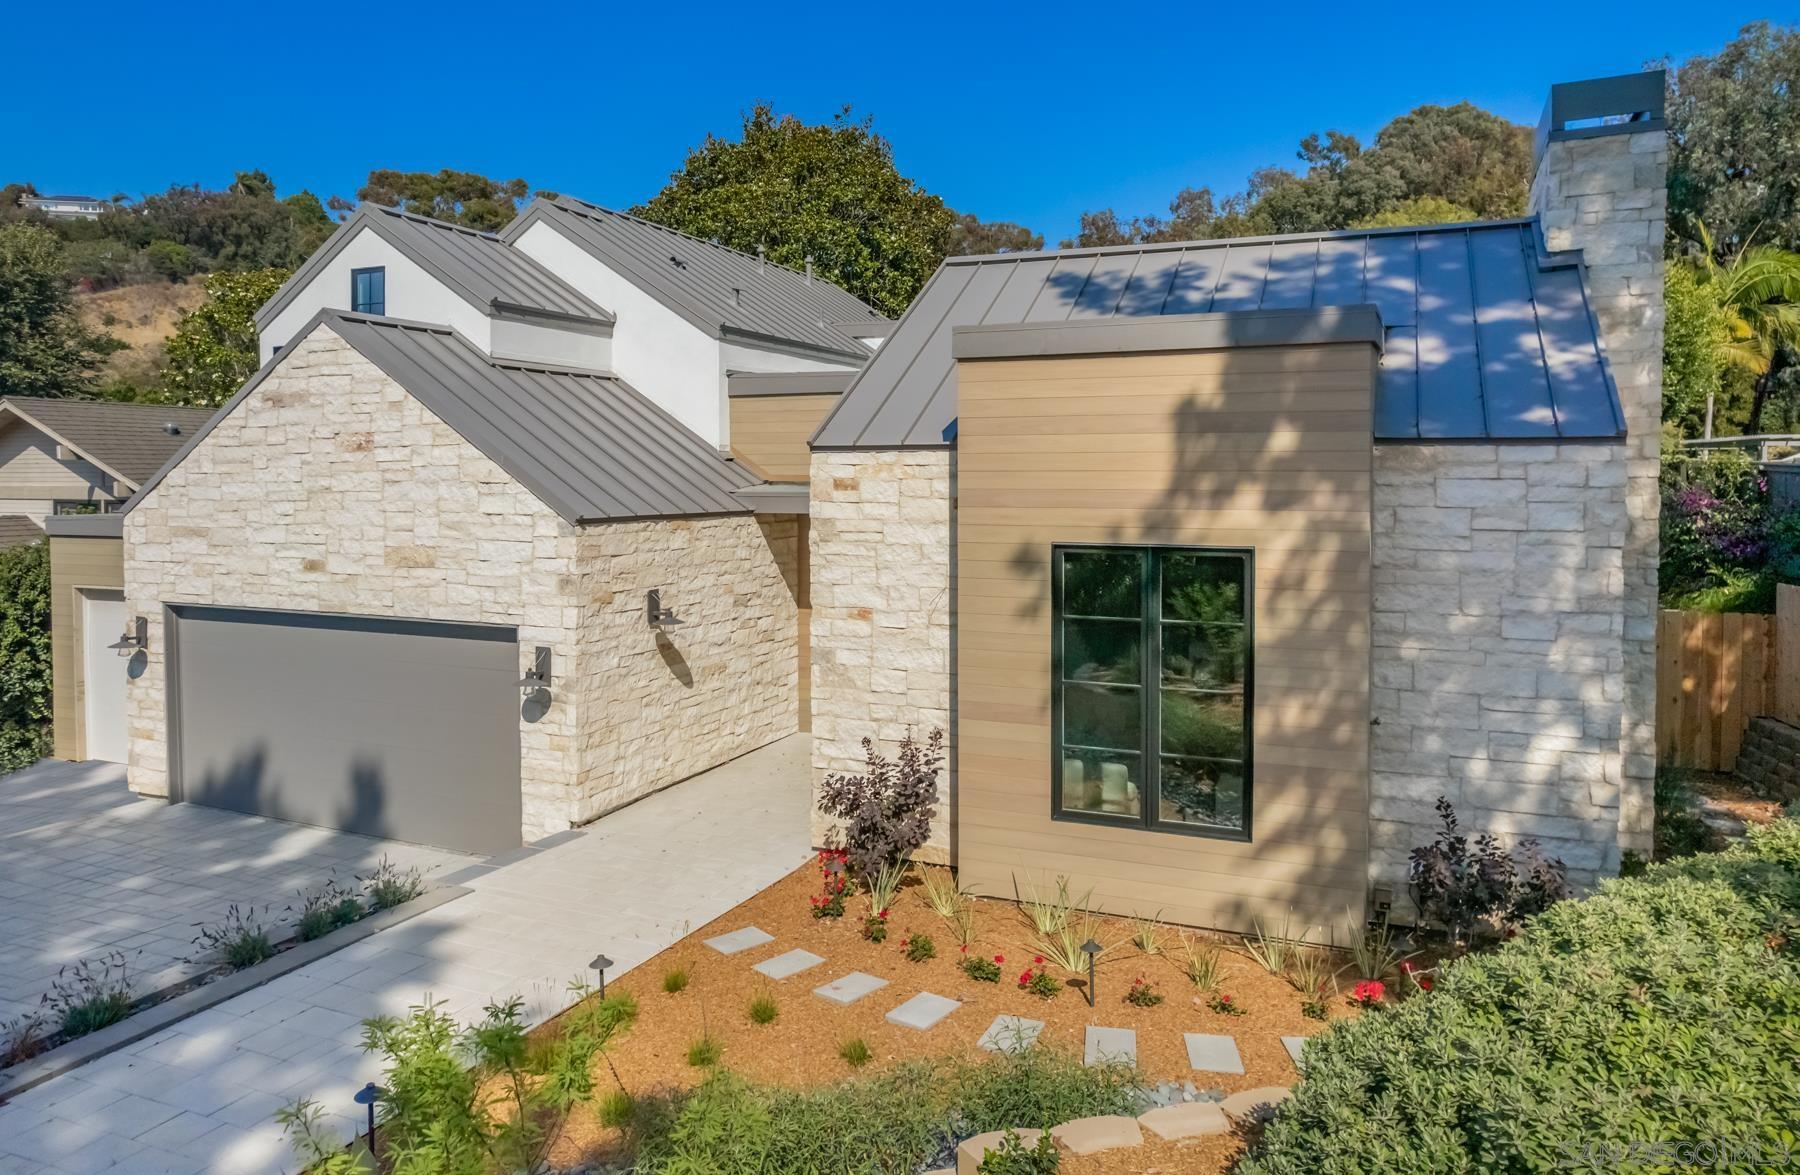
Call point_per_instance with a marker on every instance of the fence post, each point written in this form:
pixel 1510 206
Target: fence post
pixel 1786 700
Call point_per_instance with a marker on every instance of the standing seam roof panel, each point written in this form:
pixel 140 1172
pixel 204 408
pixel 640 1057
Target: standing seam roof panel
pixel 1516 388
pixel 934 364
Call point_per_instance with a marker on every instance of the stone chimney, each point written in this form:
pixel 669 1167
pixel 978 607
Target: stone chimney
pixel 1602 188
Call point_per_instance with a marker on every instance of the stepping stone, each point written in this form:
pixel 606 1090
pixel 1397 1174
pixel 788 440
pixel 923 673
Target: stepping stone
pixel 1214 1054
pixel 850 988
pixel 1010 1034
pixel 1088 1136
pixel 1117 1046
pixel 922 1011
pixel 1294 1045
pixel 1255 1104
pixel 1187 1120
pixel 792 963
pixel 971 1151
pixel 739 940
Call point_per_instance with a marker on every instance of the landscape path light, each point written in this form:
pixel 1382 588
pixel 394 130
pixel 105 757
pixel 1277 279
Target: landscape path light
pixel 368 1095
pixel 1092 950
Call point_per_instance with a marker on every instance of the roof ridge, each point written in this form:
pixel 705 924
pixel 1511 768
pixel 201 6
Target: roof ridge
pixel 1338 234
pixel 587 205
pixel 109 403
pixel 396 210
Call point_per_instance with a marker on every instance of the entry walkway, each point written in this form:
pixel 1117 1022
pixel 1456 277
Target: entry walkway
pixel 199 1096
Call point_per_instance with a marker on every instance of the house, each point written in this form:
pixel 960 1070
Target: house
pixel 65 207
pixel 472 558
pixel 80 456
pixel 1220 562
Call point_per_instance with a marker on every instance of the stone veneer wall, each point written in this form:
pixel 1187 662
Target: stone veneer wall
pixel 1498 648
pixel 330 489
pixel 881 598
pixel 1608 197
pixel 660 706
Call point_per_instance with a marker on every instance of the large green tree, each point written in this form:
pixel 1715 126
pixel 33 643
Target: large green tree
pixel 213 350
pixel 24 655
pixel 1734 155
pixel 1458 161
pixel 974 237
pixel 826 191
pixel 460 197
pixel 44 348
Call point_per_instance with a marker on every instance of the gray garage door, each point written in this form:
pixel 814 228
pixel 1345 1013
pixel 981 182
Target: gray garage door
pixel 402 729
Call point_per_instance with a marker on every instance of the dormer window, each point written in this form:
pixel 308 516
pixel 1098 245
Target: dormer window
pixel 368 290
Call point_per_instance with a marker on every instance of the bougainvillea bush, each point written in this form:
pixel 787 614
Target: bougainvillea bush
pixel 1719 534
pixel 1662 1012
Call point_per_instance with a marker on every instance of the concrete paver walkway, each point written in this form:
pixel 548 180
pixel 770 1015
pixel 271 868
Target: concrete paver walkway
pixel 199 1096
pixel 86 868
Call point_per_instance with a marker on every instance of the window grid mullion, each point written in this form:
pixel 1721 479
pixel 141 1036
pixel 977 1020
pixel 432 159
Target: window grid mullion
pixel 1151 677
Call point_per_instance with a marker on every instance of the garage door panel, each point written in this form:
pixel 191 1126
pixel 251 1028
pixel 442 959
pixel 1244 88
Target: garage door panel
pixel 401 729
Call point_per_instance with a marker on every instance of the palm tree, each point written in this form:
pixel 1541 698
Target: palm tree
pixel 1759 289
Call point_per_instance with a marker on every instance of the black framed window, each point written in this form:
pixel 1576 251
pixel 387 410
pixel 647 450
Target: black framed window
pixel 1151 721
pixel 368 290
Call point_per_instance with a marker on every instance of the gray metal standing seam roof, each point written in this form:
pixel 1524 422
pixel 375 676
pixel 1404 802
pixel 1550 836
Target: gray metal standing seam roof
pixel 722 291
pixel 589 446
pixel 1487 336
pixel 480 267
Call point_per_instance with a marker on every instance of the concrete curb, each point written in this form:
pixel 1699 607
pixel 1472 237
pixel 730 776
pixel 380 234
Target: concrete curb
pixel 78 1052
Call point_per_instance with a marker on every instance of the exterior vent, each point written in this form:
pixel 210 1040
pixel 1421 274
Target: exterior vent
pixel 171 428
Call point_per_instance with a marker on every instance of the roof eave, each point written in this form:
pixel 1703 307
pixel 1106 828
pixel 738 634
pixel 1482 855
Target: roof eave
pixel 11 406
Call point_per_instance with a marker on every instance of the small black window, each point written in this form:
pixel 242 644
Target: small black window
pixel 368 290
pixel 1152 681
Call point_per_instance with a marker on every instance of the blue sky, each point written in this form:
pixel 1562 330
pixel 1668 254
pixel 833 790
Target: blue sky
pixel 1031 113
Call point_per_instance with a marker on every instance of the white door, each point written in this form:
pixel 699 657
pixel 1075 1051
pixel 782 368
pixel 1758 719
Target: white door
pixel 103 673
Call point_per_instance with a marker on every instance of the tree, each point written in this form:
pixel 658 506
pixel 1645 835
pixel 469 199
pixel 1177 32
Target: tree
pixel 236 229
pixel 213 350
pixel 1696 330
pixel 1759 291
pixel 974 237
pixel 829 192
pixel 1423 210
pixel 460 197
pixel 44 349
pixel 24 655
pixel 1734 122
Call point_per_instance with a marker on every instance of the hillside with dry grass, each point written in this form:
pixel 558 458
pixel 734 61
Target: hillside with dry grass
pixel 141 316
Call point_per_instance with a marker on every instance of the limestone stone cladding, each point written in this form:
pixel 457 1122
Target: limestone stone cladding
pixel 881 598
pixel 1497 648
pixel 1608 197
pixel 329 488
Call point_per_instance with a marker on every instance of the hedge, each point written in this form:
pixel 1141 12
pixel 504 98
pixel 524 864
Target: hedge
pixel 1653 1025
pixel 24 655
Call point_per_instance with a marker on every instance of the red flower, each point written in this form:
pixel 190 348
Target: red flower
pixel 1224 999
pixel 999 958
pixel 882 915
pixel 1038 959
pixel 1369 992
pixel 1424 982
pixel 965 950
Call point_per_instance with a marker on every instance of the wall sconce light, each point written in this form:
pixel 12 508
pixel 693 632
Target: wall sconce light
pixel 135 638
pixel 659 616
pixel 538 676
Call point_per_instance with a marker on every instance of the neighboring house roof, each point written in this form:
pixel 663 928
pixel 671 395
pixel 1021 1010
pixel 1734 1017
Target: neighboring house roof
pixel 478 266
pixel 1487 336
pixel 130 442
pixel 17 528
pixel 586 444
pixel 727 294
pixel 64 199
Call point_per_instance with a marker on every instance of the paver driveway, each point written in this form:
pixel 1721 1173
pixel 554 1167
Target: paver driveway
pixel 86 867
pixel 198 1096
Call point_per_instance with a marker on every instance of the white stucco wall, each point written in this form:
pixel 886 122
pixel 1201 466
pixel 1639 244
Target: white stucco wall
pixel 655 350
pixel 535 343
pixel 411 293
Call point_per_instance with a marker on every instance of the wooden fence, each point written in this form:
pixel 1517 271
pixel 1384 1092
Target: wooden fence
pixel 1714 673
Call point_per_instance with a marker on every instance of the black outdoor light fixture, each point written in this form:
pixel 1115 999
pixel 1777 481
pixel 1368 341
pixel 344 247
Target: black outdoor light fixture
pixel 600 964
pixel 135 638
pixel 659 616
pixel 1092 950
pixel 538 676
pixel 368 1095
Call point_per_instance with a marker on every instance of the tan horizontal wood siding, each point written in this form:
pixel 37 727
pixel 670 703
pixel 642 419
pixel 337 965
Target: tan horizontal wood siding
pixel 75 563
pixel 1267 449
pixel 770 432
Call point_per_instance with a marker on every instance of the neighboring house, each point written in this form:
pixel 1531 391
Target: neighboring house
pixel 470 558
pixel 1220 562
pixel 66 207
pixel 80 456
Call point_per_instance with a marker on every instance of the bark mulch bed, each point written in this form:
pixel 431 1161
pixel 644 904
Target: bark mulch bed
pixel 802 1045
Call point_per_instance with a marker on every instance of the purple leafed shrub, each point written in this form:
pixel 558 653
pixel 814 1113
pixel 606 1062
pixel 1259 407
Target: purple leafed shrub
pixel 886 813
pixel 1466 887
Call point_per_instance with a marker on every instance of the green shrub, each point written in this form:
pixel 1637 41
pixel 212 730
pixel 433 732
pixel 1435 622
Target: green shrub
pixel 324 910
pixel 388 885
pixel 239 939
pixel 89 995
pixel 1664 1008
pixel 919 947
pixel 1013 1157
pixel 616 1109
pixel 705 1051
pixel 886 1123
pixel 855 1052
pixel 675 980
pixel 764 1010
pixel 24 655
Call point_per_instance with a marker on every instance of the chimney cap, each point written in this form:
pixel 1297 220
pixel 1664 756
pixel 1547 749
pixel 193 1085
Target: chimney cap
pixel 1621 105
